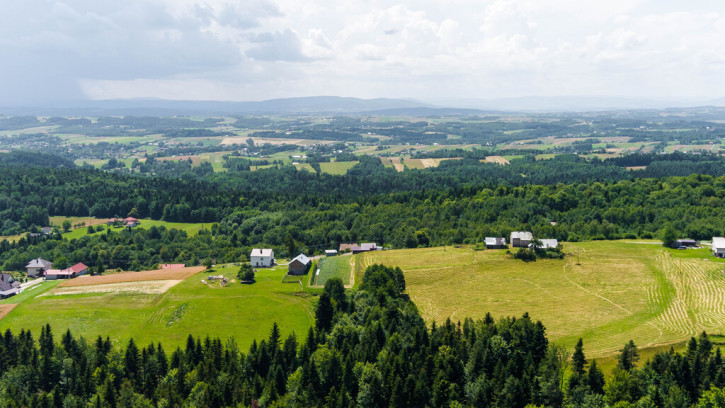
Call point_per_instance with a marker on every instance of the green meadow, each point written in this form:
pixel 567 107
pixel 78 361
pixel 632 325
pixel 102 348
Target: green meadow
pixel 241 312
pixel 190 228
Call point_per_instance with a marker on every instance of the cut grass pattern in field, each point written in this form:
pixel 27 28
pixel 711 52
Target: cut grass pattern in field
pixel 244 312
pixel 618 291
pixel 334 267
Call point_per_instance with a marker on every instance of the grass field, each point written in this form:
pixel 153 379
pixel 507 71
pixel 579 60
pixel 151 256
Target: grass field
pixel 190 228
pixel 337 167
pixel 618 291
pixel 334 267
pixel 242 312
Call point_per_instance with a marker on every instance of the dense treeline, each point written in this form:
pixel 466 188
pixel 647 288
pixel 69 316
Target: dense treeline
pixel 128 249
pixel 369 348
pixel 462 201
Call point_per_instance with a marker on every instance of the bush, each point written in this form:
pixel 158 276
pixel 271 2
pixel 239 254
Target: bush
pixel 525 254
pixel 246 273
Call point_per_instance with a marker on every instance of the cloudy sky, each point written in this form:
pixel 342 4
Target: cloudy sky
pixel 260 49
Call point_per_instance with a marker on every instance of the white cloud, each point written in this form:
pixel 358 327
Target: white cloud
pixel 244 50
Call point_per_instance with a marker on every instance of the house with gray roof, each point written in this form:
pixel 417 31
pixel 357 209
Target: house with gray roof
pixel 37 267
pixel 8 286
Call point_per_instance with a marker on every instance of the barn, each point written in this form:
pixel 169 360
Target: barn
pixel 495 243
pixel 299 265
pixel 521 239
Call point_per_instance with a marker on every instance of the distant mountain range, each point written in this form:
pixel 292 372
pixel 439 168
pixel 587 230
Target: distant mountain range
pixel 346 105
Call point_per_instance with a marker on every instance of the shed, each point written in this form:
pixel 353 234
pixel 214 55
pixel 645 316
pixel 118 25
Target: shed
pixel 299 265
pixel 53 274
pixel 687 243
pixel 263 257
pixel 330 252
pixel 348 246
pixel 521 239
pixel 495 243
pixel 718 247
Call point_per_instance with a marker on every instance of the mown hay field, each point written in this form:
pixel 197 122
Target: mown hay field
pixel 606 292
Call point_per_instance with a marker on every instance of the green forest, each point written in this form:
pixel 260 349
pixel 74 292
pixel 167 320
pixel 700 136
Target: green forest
pixel 287 209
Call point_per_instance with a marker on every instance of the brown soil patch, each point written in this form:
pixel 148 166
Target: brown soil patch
pixel 159 274
pixel 497 160
pixel 5 309
pixel 636 167
pixel 149 287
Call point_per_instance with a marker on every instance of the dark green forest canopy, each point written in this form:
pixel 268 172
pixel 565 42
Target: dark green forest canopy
pixel 371 349
pixel 593 210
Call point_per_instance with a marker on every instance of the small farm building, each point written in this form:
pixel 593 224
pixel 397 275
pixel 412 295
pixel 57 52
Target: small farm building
pixel 495 243
pixel 718 247
pixel 548 243
pixel 347 247
pixel 37 267
pixel 69 273
pixel 356 249
pixel 521 239
pixel 8 286
pixel 686 243
pixel 262 257
pixel 330 252
pixel 46 230
pixel 299 265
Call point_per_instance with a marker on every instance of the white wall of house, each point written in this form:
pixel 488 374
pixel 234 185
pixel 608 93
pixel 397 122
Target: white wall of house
pixel 261 258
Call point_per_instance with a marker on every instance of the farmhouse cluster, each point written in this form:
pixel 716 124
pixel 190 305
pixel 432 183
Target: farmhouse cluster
pixel 520 239
pixel 40 268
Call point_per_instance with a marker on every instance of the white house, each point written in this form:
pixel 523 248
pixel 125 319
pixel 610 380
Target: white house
pixel 718 247
pixel 262 257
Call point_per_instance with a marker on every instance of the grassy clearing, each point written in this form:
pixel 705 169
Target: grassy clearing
pixel 242 312
pixel 618 291
pixel 190 228
pixel 334 267
pixel 337 167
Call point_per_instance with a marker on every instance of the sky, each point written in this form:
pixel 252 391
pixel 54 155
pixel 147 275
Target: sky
pixel 245 50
